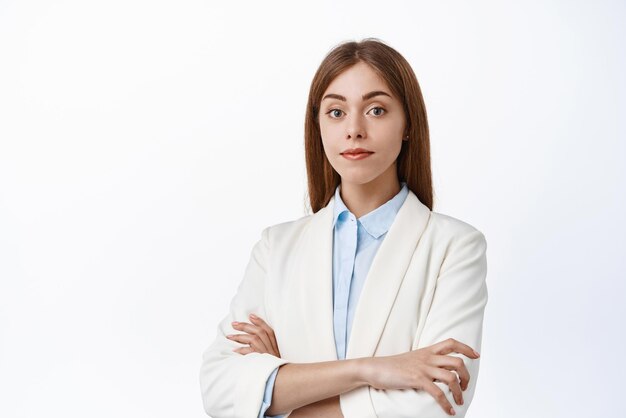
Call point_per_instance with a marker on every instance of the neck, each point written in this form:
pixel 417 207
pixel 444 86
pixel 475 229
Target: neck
pixel 361 199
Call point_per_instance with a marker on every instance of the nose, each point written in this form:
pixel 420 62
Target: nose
pixel 356 128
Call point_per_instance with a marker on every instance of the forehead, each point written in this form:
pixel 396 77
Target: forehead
pixel 356 81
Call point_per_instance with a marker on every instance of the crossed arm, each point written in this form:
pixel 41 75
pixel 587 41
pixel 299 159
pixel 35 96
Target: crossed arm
pixel 456 312
pixel 328 408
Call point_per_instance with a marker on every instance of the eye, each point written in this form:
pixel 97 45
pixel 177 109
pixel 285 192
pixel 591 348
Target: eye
pixel 330 112
pixel 378 107
pixel 333 110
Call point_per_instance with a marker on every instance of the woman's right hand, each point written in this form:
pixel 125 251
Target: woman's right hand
pixel 418 369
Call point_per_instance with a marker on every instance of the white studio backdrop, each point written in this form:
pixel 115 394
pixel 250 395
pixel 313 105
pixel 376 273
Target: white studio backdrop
pixel 144 145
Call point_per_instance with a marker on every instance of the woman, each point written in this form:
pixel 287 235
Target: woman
pixel 372 305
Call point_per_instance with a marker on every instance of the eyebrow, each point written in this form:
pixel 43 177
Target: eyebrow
pixel 365 96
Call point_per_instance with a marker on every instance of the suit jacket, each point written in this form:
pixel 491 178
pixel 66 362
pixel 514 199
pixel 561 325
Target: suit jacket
pixel 426 283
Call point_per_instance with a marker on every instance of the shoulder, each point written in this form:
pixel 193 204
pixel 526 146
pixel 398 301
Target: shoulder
pixel 448 229
pixel 285 234
pixel 447 224
pixel 288 227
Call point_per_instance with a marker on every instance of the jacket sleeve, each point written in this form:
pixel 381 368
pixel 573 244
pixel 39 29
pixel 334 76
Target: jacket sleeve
pixel 232 385
pixel 267 398
pixel 457 311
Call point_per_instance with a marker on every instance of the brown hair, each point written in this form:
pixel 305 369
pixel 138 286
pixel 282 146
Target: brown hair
pixel 414 159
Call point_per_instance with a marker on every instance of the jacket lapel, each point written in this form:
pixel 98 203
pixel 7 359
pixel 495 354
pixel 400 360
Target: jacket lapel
pixel 315 293
pixel 314 273
pixel 385 277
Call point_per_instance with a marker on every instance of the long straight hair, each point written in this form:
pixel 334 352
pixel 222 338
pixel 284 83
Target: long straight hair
pixel 413 163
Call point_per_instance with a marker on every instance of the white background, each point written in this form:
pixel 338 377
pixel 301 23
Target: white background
pixel 144 145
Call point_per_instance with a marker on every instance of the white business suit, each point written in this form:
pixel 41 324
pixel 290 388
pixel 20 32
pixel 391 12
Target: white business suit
pixel 426 283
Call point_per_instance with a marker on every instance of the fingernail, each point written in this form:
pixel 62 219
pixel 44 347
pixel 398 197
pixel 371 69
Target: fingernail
pixel 229 336
pixel 452 411
pixel 253 316
pixel 477 354
pixel 235 323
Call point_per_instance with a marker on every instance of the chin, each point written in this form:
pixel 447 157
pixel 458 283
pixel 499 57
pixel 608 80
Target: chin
pixel 358 178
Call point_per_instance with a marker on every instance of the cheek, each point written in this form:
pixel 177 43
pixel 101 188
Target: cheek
pixel 331 150
pixel 329 139
pixel 388 129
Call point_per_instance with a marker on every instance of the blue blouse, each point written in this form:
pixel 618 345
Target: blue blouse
pixel 355 243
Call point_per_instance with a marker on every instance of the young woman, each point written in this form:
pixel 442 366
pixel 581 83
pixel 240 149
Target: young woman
pixel 372 306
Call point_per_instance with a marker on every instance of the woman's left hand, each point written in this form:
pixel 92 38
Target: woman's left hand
pixel 260 337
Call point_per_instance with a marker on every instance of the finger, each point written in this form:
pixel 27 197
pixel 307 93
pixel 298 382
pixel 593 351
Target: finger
pixel 268 330
pixel 243 350
pixel 451 345
pixel 439 396
pixel 255 343
pixel 253 340
pixel 256 331
pixel 240 338
pixel 453 363
pixel 451 380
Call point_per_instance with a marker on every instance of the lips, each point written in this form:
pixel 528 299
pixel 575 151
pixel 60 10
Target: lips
pixel 352 155
pixel 356 151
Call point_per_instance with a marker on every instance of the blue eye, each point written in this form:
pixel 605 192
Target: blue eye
pixel 378 107
pixel 333 110
pixel 339 110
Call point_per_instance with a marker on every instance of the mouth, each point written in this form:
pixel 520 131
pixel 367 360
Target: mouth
pixel 356 155
pixel 355 151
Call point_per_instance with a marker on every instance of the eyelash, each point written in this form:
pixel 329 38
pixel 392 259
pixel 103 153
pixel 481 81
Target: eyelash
pixel 377 107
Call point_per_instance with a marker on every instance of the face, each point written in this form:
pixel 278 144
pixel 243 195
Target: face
pixel 354 114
